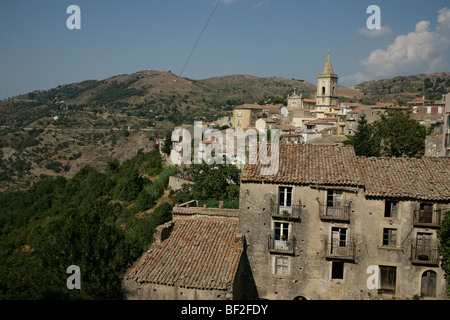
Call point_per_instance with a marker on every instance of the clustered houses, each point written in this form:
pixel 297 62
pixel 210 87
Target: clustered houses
pixel 327 219
pixel 321 120
pixel 324 120
pixel 326 225
pixel 436 115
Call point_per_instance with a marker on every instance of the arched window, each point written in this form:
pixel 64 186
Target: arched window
pixel 323 91
pixel 428 284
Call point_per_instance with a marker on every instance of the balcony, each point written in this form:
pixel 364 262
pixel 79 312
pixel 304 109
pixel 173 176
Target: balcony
pixel 292 212
pixel 341 213
pixel 283 246
pixel 427 218
pixel 340 249
pixel 425 255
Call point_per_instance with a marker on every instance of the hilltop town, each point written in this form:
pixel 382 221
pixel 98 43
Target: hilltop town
pixel 326 121
pixel 298 210
pixel 327 224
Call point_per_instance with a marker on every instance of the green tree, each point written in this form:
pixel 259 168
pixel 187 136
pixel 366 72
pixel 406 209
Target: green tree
pixel 365 141
pixel 279 101
pixel 88 237
pixel 167 147
pixel 394 135
pixel 89 220
pixel 211 181
pixel 400 135
pixel 444 247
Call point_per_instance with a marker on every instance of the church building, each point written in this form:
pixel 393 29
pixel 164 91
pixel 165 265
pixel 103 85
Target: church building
pixel 327 82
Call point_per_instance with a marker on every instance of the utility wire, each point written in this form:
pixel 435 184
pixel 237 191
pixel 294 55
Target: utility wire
pixel 198 39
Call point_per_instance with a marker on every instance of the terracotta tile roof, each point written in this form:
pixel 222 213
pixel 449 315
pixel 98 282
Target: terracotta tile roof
pixel 198 253
pixel 412 178
pixel 183 211
pixel 286 127
pixel 422 178
pixel 309 164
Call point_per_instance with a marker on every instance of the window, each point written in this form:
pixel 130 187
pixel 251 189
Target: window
pixel 281 265
pixel 285 197
pixel 239 113
pixel 426 213
pixel 415 109
pixel 281 231
pixel 339 236
pixel 423 243
pixel 337 270
pixel 388 277
pixel 281 236
pixel 389 237
pixel 439 109
pixel 323 91
pixel 428 109
pixel 334 198
pixel 391 209
pixel 338 241
pixel 334 203
pixel 239 122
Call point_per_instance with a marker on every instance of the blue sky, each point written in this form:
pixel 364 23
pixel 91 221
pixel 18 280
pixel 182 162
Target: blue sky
pixel 284 38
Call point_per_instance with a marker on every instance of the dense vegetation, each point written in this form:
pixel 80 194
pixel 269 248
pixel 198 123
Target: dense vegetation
pixel 394 135
pixel 212 182
pixel 444 247
pixel 96 220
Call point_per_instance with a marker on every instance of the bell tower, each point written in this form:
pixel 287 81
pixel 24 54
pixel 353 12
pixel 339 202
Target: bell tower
pixel 327 86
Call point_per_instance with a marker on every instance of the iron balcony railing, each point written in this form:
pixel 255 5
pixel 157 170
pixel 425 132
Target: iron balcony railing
pixel 293 211
pixel 341 213
pixel 427 218
pixel 285 246
pixel 425 255
pixel 340 249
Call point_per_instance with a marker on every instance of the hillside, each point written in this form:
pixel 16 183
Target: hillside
pixel 406 88
pixel 97 220
pixel 57 131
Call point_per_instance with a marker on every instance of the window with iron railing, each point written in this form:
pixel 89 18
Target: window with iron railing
pixel 427 216
pixel 335 207
pixel 424 250
pixel 284 207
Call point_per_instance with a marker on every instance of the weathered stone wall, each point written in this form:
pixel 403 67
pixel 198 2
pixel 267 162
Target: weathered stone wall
pixel 150 291
pixel 310 271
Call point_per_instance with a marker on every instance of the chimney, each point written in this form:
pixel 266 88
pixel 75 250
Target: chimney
pixel 163 231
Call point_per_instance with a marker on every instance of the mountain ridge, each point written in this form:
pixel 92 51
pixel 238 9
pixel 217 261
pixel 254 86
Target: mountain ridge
pixel 56 131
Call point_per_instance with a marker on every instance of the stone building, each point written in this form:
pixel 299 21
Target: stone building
pixel 199 255
pixel 327 82
pixel 330 225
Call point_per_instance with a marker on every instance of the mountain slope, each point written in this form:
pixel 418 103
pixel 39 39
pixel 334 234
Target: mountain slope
pixel 406 88
pixel 57 131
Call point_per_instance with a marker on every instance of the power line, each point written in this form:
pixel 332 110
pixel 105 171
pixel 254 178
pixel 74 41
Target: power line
pixel 198 39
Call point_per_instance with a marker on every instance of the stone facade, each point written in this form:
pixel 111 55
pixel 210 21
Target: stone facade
pixel 324 234
pixel 313 271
